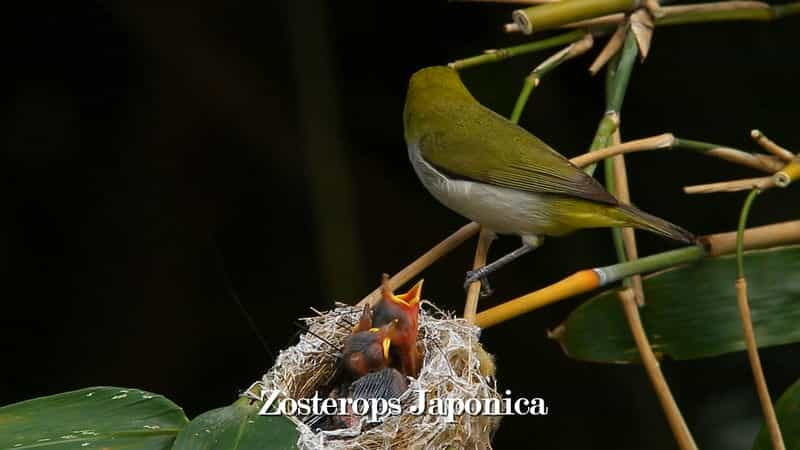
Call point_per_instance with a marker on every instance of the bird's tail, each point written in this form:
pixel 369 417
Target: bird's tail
pixel 640 219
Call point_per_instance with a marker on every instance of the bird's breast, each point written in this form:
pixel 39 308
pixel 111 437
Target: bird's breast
pixel 505 211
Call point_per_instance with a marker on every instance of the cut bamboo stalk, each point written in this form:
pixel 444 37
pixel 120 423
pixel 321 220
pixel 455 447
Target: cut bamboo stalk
pixel 674 417
pixel 474 289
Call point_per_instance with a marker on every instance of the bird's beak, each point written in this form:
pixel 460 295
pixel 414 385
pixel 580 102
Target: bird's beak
pixel 386 344
pixel 412 297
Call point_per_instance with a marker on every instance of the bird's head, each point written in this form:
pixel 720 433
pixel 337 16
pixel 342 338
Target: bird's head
pixel 435 77
pixel 432 91
pixel 367 351
pixel 408 301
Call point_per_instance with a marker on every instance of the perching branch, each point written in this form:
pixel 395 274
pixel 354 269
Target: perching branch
pixel 431 256
pixel 474 289
pixel 584 281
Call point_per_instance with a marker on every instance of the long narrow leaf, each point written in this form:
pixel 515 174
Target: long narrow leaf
pixel 237 427
pixel 691 311
pixel 97 417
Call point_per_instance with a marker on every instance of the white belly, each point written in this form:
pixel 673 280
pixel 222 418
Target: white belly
pixel 505 211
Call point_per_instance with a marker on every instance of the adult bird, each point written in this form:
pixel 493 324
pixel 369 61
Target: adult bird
pixel 490 170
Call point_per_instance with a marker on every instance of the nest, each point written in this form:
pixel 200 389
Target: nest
pixel 455 366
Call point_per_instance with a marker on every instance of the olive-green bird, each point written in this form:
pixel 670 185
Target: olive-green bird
pixel 492 171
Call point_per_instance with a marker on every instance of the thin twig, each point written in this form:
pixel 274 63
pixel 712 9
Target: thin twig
pixel 574 49
pixel 761 183
pixel 496 55
pixel 611 48
pixel 628 236
pixel 749 334
pixel 676 422
pixel 660 141
pixel 473 291
pixel 439 250
pixel 765 163
pixel 767 144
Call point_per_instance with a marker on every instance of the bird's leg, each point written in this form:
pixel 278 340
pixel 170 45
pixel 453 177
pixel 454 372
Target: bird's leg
pixel 529 243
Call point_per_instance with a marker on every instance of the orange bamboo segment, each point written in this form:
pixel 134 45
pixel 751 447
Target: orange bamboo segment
pixel 577 283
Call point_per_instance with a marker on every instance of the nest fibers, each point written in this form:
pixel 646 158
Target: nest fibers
pixel 451 369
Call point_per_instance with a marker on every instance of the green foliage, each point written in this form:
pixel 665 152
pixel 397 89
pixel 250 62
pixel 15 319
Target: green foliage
pixel 788 411
pixel 691 311
pixel 237 427
pixel 97 417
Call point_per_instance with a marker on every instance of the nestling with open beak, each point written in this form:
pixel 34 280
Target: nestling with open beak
pixel 367 351
pixel 404 310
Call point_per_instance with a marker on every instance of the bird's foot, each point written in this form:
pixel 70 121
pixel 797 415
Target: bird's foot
pixel 482 275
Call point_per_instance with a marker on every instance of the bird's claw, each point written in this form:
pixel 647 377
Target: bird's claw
pixel 479 275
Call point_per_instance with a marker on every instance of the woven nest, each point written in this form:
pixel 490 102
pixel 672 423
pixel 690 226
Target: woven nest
pixel 454 366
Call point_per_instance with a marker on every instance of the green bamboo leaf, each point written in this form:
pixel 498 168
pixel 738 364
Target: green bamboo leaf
pixel 91 418
pixel 237 427
pixel 691 311
pixel 788 411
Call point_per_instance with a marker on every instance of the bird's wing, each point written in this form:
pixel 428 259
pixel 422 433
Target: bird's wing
pixel 509 157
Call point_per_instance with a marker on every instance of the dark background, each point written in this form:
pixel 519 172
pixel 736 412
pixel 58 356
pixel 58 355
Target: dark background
pixel 149 150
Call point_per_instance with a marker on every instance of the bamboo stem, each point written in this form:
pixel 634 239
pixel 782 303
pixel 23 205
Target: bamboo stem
pixel 585 281
pixel 764 163
pixel 761 183
pixel 755 363
pixel 724 11
pixel 749 333
pixel 496 55
pixel 676 422
pixel 576 48
pixel 611 48
pixel 783 233
pixel 611 186
pixel 651 143
pixel 767 144
pixel 473 291
pixel 628 236
pixel 553 15
pixel 434 254
pixel 701 13
pixel 605 128
pixel 618 78
pixel 789 173
pixel 511 2
pixel 575 284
